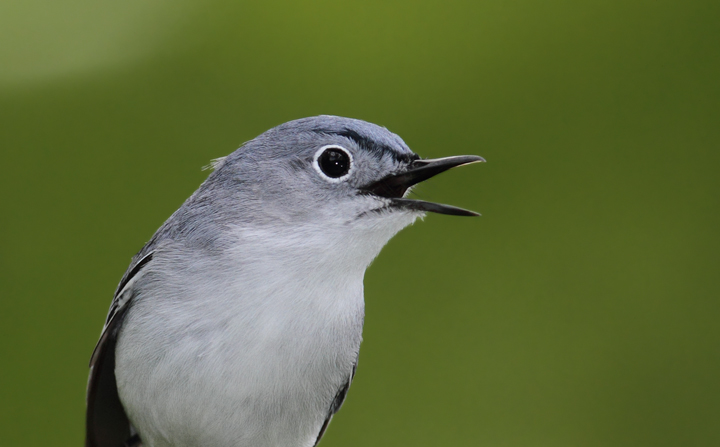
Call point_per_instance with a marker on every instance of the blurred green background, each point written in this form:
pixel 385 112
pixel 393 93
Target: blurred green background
pixel 580 310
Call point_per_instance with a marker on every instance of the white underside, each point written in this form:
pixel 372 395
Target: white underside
pixel 246 348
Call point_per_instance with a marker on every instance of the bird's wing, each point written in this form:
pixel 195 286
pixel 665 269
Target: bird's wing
pixel 107 425
pixel 337 403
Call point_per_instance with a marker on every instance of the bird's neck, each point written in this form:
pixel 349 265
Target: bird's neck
pixel 308 251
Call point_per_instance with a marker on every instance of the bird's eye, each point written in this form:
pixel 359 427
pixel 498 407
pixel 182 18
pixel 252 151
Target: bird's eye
pixel 334 162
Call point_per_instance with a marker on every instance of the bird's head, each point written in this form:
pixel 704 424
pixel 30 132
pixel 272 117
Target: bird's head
pixel 327 176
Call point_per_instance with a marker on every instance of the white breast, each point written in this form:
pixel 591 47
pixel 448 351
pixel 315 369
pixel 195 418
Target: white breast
pixel 246 348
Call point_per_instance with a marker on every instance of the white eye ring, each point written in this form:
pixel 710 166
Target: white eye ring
pixel 316 163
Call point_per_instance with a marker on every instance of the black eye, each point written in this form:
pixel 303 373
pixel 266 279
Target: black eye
pixel 334 162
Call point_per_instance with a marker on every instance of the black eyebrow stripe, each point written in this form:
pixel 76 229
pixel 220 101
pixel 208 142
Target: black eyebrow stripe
pixel 369 145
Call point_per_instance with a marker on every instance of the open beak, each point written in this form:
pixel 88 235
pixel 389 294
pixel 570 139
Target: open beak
pixel 394 186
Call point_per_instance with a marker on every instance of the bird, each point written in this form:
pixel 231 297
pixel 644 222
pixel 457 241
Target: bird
pixel 239 323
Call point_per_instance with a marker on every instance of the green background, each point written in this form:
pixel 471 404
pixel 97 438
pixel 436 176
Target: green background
pixel 580 310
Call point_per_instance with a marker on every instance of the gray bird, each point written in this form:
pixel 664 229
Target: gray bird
pixel 240 322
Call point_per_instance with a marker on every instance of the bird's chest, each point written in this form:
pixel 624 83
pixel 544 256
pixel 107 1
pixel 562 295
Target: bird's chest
pixel 287 341
pixel 298 333
pixel 256 355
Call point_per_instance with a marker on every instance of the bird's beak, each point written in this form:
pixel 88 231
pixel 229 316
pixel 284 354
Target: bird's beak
pixel 394 186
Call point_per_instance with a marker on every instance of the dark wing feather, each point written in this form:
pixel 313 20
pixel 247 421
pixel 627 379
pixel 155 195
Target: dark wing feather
pixel 107 425
pixel 336 403
pixel 106 422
